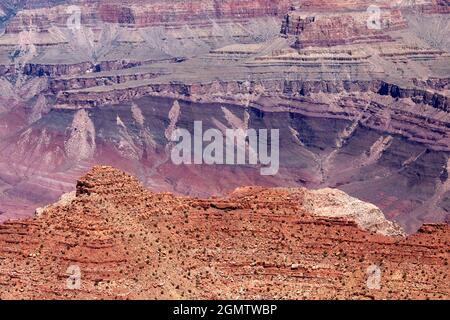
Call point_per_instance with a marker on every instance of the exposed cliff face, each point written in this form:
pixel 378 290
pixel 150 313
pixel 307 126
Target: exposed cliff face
pixel 365 111
pixel 88 98
pixel 191 12
pixel 41 15
pixel 145 13
pixel 352 144
pixel 335 203
pixel 116 240
pixel 333 29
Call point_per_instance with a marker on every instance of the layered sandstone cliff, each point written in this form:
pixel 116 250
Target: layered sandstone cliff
pixel 330 29
pixel 115 240
pixel 140 14
pixel 24 15
pixel 365 111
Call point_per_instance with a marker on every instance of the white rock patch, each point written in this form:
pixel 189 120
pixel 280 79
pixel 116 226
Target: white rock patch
pixel 336 203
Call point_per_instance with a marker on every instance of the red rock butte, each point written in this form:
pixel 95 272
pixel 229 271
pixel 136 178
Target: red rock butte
pixel 255 243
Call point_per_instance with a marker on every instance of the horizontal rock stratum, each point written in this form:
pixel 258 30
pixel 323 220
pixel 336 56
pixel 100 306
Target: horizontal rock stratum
pixel 257 243
pixel 361 109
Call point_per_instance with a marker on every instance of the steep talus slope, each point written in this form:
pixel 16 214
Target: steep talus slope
pixel 116 240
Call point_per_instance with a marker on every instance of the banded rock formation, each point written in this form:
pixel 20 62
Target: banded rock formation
pixel 115 240
pixel 368 118
pixel 332 29
pixel 138 13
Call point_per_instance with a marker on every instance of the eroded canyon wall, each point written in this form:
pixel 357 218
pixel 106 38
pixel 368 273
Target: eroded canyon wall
pixel 362 110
